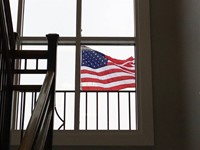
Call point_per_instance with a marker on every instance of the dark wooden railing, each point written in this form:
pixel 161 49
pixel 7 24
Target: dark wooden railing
pixel 41 115
pixel 39 133
pixel 7 44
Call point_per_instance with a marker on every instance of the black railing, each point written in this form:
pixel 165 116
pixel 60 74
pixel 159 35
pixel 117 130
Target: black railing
pixel 7 44
pixel 99 110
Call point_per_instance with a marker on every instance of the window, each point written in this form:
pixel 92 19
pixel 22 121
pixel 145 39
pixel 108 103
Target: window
pixel 117 28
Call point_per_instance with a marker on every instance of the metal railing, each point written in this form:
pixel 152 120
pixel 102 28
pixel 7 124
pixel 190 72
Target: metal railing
pixel 99 110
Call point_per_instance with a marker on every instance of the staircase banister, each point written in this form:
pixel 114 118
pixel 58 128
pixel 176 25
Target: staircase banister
pixel 33 125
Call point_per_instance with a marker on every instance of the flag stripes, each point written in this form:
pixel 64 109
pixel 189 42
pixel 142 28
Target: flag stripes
pixel 110 74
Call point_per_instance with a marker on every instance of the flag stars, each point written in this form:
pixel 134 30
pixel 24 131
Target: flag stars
pixel 93 59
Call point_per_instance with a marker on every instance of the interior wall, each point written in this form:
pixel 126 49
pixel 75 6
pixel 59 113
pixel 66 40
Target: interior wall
pixel 176 73
pixel 175 31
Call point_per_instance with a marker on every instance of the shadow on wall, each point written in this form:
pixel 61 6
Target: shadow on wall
pixel 189 46
pixel 176 74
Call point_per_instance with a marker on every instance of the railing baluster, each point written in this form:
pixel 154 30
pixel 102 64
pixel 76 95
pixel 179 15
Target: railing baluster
pixel 36 64
pixel 25 64
pixel 129 103
pixel 97 111
pixel 108 117
pixel 64 110
pixel 86 110
pixel 22 114
pixel 32 102
pixel 17 111
pixel 118 110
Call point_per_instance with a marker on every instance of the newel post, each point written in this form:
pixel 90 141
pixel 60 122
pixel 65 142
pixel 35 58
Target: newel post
pixel 51 66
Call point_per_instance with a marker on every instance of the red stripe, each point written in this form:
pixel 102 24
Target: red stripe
pixel 122 67
pixel 107 80
pixel 102 73
pixel 130 64
pixel 114 88
pixel 118 61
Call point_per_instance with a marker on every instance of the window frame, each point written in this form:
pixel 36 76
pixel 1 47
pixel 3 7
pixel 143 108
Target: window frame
pixel 144 134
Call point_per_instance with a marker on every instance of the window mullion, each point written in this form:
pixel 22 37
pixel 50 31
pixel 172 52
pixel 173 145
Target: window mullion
pixel 77 65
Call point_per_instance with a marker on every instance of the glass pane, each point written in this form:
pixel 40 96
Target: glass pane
pixel 133 111
pixel 91 114
pixel 65 77
pixel 14 6
pixel 59 110
pixel 50 16
pixel 32 79
pixel 107 68
pixel 70 111
pixel 83 111
pixel 108 18
pixel 34 47
pixel 124 111
pixel 102 112
pixel 113 111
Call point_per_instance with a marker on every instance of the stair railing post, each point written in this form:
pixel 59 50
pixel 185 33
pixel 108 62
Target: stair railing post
pixel 51 66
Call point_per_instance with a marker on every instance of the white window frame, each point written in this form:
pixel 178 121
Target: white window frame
pixel 144 135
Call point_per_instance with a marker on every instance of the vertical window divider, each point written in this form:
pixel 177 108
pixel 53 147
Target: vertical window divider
pixel 78 65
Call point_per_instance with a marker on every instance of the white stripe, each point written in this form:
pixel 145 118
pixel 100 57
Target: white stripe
pixel 108 85
pixel 105 68
pixel 123 65
pixel 108 76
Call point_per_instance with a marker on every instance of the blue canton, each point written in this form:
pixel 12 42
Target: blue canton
pixel 93 59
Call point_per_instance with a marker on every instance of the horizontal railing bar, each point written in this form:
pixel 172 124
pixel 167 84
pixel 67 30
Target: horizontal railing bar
pixel 36 117
pixel 31 88
pixel 30 71
pixel 84 41
pixel 27 88
pixel 29 54
pixel 93 91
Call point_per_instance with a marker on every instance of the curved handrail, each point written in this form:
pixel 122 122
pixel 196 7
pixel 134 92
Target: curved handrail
pixel 37 116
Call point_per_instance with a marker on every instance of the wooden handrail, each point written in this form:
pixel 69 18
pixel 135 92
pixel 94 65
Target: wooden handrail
pixel 37 116
pixel 29 54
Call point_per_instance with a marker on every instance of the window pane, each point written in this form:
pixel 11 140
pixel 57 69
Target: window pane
pixel 34 47
pixel 50 16
pixel 108 18
pixel 32 79
pixel 14 6
pixel 65 77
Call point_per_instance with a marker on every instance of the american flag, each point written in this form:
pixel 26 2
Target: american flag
pixel 100 72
